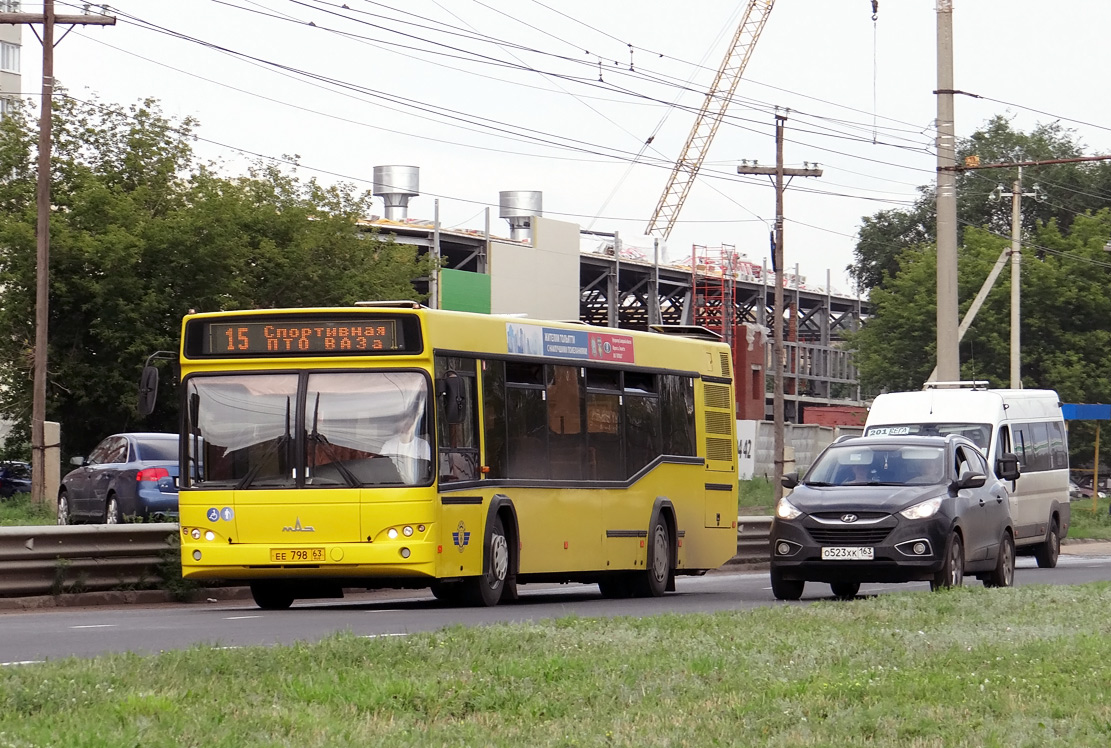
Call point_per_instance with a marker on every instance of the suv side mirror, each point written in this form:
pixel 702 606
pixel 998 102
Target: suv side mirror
pixel 790 480
pixel 1006 467
pixel 971 480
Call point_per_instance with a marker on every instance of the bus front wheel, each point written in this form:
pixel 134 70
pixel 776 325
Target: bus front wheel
pixel 269 596
pixel 654 580
pixel 486 590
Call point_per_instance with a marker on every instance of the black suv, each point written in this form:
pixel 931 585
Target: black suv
pixel 894 509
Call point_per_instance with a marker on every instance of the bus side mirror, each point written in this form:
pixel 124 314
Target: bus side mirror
pixel 453 398
pixel 1006 467
pixel 148 390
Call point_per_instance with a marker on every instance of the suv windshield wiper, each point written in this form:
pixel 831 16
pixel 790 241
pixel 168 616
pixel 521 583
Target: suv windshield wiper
pixel 816 483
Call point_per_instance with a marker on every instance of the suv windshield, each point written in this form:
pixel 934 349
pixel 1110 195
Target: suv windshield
pixel 310 429
pixel 878 464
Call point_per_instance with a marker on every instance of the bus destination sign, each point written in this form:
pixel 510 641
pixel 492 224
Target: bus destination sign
pixel 301 337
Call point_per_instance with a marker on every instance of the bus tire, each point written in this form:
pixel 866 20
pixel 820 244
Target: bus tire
pixel 450 593
pixel 657 572
pixel 269 596
pixel 486 589
pixel 1046 553
pixel 616 586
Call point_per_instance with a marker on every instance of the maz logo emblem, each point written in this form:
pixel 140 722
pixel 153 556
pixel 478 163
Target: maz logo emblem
pixel 846 518
pixel 298 527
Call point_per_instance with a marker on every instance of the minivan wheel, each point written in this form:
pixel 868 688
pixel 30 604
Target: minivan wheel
pixel 786 589
pixel 1046 553
pixel 951 573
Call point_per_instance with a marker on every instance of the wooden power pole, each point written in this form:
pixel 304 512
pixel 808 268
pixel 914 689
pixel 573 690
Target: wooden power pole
pixel 48 19
pixel 779 172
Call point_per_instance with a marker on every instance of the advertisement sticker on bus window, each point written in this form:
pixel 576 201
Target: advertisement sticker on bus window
pixel 576 344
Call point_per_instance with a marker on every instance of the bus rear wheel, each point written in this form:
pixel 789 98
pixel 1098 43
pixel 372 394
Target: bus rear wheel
pixel 486 589
pixel 269 596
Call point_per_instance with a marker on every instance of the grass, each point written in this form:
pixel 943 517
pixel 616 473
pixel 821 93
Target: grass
pixel 1019 667
pixel 756 494
pixel 1086 523
pixel 20 510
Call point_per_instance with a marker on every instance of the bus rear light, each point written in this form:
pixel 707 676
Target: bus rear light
pixel 152 474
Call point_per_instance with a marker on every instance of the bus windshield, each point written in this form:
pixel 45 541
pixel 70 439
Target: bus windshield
pixel 979 433
pixel 310 429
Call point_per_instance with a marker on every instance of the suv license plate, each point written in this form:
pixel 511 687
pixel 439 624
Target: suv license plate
pixel 295 555
pixel 841 553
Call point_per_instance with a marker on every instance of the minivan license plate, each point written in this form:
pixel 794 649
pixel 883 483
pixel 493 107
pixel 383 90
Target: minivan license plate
pixel 848 554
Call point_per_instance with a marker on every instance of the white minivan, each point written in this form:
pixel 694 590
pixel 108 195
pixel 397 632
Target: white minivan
pixel 1026 423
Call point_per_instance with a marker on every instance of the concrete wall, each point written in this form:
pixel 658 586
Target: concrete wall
pixel 807 440
pixel 540 279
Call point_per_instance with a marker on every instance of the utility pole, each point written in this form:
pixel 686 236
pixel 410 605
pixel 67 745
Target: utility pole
pixel 948 346
pixel 48 19
pixel 779 172
pixel 1016 194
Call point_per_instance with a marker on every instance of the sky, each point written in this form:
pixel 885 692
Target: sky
pixel 561 96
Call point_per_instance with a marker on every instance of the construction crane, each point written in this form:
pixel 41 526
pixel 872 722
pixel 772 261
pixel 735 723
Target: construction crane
pixel 710 116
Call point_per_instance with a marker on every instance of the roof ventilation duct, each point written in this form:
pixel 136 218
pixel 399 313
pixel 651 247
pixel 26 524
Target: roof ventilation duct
pixel 518 207
pixel 395 185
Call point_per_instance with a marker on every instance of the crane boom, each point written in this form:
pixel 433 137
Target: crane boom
pixel 709 118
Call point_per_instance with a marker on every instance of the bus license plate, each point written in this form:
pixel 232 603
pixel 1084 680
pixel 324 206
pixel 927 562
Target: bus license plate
pixel 851 553
pixel 296 555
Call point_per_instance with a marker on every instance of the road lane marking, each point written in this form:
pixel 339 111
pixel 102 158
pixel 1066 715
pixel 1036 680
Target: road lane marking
pixel 96 626
pixel 239 618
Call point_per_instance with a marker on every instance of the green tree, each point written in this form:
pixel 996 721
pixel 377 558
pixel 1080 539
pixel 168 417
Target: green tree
pixel 139 236
pixel 1071 190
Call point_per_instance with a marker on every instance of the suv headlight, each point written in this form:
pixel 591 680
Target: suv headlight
pixel 786 510
pixel 922 510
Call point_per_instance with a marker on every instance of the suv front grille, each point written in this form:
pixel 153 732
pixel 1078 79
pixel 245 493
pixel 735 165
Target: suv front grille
pixel 849 535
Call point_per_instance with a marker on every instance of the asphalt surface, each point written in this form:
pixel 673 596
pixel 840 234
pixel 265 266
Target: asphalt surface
pixel 1069 546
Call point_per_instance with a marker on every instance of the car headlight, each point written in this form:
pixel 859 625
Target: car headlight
pixel 786 510
pixel 922 510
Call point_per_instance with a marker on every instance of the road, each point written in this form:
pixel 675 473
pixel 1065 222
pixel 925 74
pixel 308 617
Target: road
pixel 35 636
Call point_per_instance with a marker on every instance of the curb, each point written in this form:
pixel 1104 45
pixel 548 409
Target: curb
pixel 121 597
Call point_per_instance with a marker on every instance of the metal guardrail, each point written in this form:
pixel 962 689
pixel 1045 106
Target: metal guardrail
pixel 753 538
pixel 80 558
pixel 86 558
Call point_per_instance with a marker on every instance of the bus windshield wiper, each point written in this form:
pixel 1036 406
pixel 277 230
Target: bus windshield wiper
pixel 271 450
pixel 315 437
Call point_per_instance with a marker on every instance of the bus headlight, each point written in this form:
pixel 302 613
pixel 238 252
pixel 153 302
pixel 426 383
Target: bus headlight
pixel 392 533
pixel 407 531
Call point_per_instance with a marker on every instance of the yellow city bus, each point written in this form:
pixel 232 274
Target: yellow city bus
pixel 391 445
